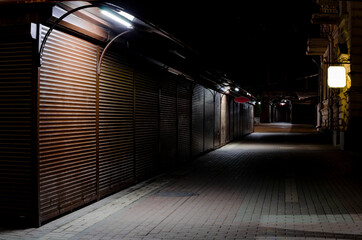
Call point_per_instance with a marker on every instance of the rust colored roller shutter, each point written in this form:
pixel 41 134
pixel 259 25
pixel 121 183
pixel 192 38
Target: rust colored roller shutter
pixel 67 124
pixel 17 175
pixel 146 114
pixel 116 124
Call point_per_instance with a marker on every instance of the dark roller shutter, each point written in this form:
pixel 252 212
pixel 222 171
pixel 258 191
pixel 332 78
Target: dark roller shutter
pixel 227 119
pixel 236 120
pixel 209 120
pixel 116 124
pixel 67 124
pixel 217 120
pixel 146 113
pixel 243 118
pixel 250 118
pixel 17 190
pixel 168 120
pixel 223 117
pixel 184 119
pixel 231 118
pixel 198 120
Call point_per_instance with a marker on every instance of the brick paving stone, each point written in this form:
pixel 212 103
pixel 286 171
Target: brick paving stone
pixel 266 186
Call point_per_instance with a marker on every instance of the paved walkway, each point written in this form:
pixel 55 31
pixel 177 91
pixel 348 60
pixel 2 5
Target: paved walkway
pixel 284 127
pixel 267 186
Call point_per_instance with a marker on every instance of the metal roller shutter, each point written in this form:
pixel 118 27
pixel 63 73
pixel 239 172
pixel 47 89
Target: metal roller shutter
pixel 168 120
pixel 236 120
pixel 116 124
pixel 243 118
pixel 251 118
pixel 67 124
pixel 231 118
pixel 146 113
pixel 198 120
pixel 209 120
pixel 184 119
pixel 17 175
pixel 224 120
pixel 217 120
pixel 227 119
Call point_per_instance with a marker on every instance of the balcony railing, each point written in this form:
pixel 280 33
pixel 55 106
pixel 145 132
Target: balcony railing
pixel 327 12
pixel 317 46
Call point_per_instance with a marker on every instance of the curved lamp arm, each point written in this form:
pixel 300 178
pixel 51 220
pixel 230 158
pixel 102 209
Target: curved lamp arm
pixel 55 24
pixel 106 48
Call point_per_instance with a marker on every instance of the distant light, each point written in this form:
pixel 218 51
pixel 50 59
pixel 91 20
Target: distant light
pixel 248 94
pixel 259 103
pixel 336 77
pixel 241 100
pixel 126 15
pixel 282 104
pixel 116 18
pixel 237 89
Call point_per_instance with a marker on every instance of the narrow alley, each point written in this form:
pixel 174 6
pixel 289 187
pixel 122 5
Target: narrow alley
pixel 272 184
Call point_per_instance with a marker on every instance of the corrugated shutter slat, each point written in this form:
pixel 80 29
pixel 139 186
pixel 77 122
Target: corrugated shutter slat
pixel 198 120
pixel 168 120
pixel 67 124
pixel 17 174
pixel 184 119
pixel 116 125
pixel 146 117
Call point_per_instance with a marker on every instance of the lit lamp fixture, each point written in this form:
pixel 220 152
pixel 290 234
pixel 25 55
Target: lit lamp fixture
pixel 336 77
pixel 119 19
pixel 126 15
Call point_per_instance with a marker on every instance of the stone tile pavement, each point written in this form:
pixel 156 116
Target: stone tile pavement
pixel 266 186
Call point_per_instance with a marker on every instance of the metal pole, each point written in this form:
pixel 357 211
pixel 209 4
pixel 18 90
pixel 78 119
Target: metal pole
pixel 106 48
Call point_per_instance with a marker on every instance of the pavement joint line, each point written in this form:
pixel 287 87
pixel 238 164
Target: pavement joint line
pixel 291 194
pixel 107 210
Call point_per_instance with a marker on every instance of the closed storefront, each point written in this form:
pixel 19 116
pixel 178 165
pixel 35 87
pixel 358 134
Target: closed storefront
pixel 18 184
pixel 198 110
pixel 168 119
pixel 224 112
pixel 116 124
pixel 209 120
pixel 217 117
pixel 146 123
pixel 67 124
pixel 184 120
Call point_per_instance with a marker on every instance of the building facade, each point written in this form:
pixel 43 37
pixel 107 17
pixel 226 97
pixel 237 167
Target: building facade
pixel 339 43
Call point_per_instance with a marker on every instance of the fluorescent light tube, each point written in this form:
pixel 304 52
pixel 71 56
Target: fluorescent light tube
pixel 116 18
pixel 126 15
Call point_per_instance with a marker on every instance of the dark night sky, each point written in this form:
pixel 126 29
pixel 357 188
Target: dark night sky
pixel 244 39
